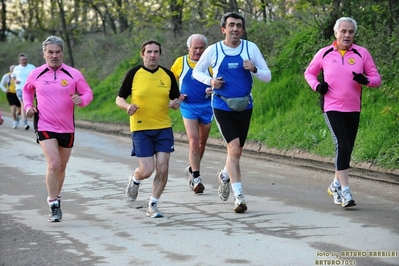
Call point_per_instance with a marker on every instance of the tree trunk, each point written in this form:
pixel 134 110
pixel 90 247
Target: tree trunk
pixel 3 21
pixel 66 32
pixel 177 17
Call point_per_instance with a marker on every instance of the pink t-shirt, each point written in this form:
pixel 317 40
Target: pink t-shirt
pixel 53 90
pixel 344 94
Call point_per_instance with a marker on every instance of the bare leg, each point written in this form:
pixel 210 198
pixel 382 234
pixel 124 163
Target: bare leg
pixel 14 112
pixel 161 176
pixel 197 136
pixel 234 152
pixel 57 159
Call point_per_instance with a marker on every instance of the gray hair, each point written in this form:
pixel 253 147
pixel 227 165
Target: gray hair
pixel 345 19
pixel 12 67
pixel 53 40
pixel 196 36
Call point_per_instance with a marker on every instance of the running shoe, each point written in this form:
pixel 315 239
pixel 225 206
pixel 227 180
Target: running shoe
pixel 153 212
pixel 224 187
pixel 55 210
pixel 198 187
pixel 347 200
pixel 26 127
pixel 60 212
pixel 14 124
pixel 336 193
pixel 132 189
pixel 190 178
pixel 239 205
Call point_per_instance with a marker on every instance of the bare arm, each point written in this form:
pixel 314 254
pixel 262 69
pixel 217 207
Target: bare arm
pixel 123 104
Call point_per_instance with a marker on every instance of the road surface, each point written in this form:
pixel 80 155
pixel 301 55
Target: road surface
pixel 291 220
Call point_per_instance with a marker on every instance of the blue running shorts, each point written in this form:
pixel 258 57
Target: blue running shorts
pixel 201 112
pixel 148 142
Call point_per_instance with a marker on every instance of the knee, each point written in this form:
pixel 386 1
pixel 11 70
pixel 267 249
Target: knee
pixel 194 143
pixel 162 169
pixel 143 172
pixel 55 166
pixel 235 152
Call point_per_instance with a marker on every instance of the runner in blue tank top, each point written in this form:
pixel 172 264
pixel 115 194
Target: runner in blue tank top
pixel 234 61
pixel 196 108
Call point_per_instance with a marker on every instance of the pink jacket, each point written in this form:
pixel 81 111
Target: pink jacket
pixel 344 94
pixel 53 90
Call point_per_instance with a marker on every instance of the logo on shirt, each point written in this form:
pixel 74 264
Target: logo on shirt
pixel 351 61
pixel 232 65
pixel 64 82
pixel 161 84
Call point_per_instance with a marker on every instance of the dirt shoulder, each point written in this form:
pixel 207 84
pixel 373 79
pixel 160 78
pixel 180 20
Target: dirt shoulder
pixel 259 150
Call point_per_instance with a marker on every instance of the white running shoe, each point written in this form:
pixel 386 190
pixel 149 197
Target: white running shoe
pixel 239 205
pixel 132 189
pixel 347 200
pixel 198 187
pixel 55 211
pixel 224 187
pixel 190 178
pixel 336 193
pixel 153 212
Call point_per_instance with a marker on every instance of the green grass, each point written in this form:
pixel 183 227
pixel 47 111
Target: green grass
pixel 286 113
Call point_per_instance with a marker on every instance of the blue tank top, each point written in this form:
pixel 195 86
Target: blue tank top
pixel 238 81
pixel 194 89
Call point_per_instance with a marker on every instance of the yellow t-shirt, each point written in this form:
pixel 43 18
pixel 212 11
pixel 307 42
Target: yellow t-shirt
pixel 151 90
pixel 11 84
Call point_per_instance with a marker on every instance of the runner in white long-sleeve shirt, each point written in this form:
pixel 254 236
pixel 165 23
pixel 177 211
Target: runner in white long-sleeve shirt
pixel 234 62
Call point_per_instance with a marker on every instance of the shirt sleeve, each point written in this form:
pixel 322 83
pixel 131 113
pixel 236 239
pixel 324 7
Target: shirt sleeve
pixel 4 80
pixel 313 70
pixel 126 88
pixel 371 70
pixel 174 88
pixel 177 67
pixel 84 90
pixel 28 91
pixel 264 74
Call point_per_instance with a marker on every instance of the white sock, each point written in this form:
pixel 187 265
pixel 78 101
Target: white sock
pixel 345 188
pixel 336 183
pixel 237 188
pixel 52 201
pixel 153 201
pixel 135 180
pixel 225 174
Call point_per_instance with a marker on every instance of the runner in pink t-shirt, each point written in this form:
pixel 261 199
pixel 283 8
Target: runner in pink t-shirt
pixel 345 69
pixel 58 88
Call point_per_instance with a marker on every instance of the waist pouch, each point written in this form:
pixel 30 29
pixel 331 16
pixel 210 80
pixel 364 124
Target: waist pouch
pixel 237 104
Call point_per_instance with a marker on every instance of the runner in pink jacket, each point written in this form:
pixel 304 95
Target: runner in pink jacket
pixel 55 90
pixel 345 69
pixel 58 88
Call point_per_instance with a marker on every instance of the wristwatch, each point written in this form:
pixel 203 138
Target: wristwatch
pixel 255 70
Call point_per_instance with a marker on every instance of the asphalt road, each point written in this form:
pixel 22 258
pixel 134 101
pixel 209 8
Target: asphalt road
pixel 291 220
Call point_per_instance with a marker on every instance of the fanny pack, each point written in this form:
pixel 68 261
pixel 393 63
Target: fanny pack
pixel 237 104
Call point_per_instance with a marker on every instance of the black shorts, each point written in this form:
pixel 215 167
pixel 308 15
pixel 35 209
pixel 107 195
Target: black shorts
pixel 13 99
pixel 233 125
pixel 64 139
